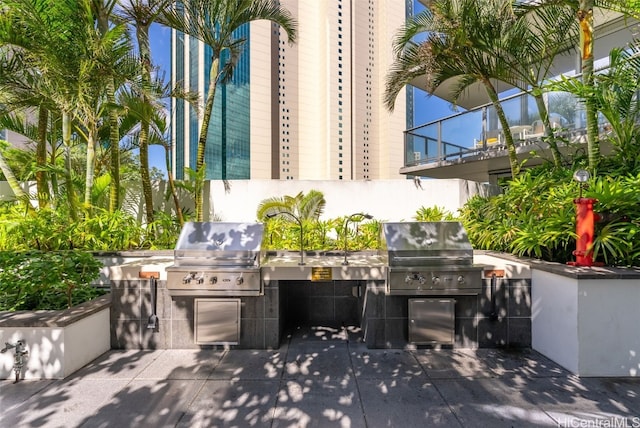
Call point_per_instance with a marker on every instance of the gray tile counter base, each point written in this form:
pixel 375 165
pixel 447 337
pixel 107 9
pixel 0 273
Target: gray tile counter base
pixel 385 318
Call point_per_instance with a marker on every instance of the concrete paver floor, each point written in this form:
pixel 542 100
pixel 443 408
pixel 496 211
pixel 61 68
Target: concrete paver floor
pixel 322 377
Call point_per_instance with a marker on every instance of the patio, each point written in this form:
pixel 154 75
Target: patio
pixel 322 376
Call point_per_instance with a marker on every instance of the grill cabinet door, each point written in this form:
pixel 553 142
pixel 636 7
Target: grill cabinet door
pixel 217 321
pixel 431 321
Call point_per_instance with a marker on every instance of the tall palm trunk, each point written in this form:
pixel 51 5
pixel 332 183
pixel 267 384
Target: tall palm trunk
pixel 42 185
pixel 114 132
pixel 172 186
pixel 90 165
pixel 145 56
pixel 502 117
pixel 202 140
pixel 585 19
pixel 114 150
pixel 66 140
pixel 548 130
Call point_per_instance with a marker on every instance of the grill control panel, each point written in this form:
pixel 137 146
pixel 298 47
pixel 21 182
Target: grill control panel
pixel 423 282
pixel 214 283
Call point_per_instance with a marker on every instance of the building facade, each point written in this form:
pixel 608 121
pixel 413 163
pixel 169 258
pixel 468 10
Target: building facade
pixel 306 111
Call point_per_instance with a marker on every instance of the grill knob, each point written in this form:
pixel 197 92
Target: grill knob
pixel 187 278
pixel 239 280
pixel 461 279
pixel 214 280
pixel 435 280
pixel 422 279
pixel 408 279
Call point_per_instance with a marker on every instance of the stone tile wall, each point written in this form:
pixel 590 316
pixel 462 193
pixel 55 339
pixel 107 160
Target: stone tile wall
pixel 260 323
pixel 385 318
pixel 334 302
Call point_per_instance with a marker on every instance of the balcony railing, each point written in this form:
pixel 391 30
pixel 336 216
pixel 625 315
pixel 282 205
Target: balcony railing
pixel 473 132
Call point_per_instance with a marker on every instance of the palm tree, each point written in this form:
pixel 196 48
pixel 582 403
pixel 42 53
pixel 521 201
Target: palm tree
pixel 103 11
pixel 141 14
pixel 304 207
pixel 19 83
pixel 215 22
pixel 43 34
pixel 461 40
pixel 105 57
pixel 614 95
pixel 299 209
pixel 542 34
pixel 143 107
pixel 583 10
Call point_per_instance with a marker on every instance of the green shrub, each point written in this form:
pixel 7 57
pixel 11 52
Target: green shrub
pixel 50 230
pixel 535 217
pixel 281 233
pixel 434 213
pixel 34 280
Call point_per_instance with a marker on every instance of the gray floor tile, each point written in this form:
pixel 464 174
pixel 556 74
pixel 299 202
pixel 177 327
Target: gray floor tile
pixel 385 364
pixel 624 390
pixel 66 403
pixel 248 364
pixel 308 402
pixel 12 394
pixel 118 364
pixel 182 364
pixel 318 333
pixel 147 403
pixel 325 360
pixel 452 364
pixel 520 362
pixel 233 403
pixel 491 403
pixel 401 403
pixel 322 377
pixel 571 402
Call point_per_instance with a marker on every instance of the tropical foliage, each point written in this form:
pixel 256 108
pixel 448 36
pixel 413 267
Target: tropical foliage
pixel 321 235
pixel 535 216
pixel 78 82
pixel 51 230
pixel 434 213
pixel 288 219
pixel 63 279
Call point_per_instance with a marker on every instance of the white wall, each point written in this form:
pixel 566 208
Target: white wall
pixel 589 326
pixel 608 320
pixel 554 318
pixel 389 200
pixel 56 352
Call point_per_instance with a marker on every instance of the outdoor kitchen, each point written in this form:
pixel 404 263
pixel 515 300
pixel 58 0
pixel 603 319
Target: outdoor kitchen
pixel 424 287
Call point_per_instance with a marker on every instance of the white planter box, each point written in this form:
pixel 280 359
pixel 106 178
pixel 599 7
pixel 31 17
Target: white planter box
pixel 59 342
pixel 586 319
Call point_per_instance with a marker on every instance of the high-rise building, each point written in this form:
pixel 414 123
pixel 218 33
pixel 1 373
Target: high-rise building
pixel 311 110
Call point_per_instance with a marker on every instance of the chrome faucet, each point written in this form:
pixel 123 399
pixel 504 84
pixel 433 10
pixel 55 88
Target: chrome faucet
pixel 19 356
pixel 346 223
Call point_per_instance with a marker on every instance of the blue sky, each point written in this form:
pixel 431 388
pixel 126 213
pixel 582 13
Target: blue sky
pixel 160 39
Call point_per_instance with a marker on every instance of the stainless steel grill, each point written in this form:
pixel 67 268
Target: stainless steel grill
pixel 217 259
pixel 430 258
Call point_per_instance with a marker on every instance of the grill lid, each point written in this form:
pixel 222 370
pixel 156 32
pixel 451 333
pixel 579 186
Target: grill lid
pixel 219 244
pixel 427 244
